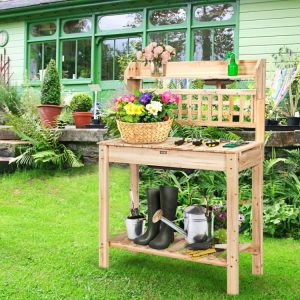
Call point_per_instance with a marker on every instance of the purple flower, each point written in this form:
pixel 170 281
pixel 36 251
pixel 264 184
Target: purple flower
pixel 145 98
pixel 221 215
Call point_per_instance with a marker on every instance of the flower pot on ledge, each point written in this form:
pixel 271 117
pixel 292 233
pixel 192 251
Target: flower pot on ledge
pixel 49 113
pixel 81 119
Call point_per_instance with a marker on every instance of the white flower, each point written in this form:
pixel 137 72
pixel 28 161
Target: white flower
pixel 154 107
pixel 67 99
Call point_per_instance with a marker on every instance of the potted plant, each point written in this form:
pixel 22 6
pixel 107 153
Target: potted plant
pixel 50 107
pixel 157 55
pixel 81 105
pixel 144 118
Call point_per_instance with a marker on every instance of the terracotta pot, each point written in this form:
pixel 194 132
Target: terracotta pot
pixel 82 118
pixel 49 113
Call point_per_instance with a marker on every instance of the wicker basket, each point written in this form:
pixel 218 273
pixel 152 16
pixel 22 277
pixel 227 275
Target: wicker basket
pixel 144 133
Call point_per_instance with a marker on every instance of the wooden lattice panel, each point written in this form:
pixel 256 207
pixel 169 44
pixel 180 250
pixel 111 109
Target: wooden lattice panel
pixel 215 107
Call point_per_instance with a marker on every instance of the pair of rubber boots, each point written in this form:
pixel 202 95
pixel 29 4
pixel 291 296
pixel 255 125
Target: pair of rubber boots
pixel 159 235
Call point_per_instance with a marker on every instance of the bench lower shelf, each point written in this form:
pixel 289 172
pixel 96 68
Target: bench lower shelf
pixel 176 250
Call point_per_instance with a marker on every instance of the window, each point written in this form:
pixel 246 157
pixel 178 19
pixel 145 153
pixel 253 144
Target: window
pixel 76 59
pixel 176 39
pixel 43 29
pixel 121 21
pixel 78 26
pixel 217 12
pixel 40 55
pixel 212 44
pixel 168 16
pixel 111 49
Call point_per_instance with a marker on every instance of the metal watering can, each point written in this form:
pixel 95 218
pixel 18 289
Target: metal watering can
pixel 197 226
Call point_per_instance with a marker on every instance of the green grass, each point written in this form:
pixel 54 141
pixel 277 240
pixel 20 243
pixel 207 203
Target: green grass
pixel 49 242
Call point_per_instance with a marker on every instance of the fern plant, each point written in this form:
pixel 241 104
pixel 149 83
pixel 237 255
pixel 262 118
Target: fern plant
pixel 44 150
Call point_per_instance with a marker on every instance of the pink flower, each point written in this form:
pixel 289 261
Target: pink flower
pixel 174 99
pixel 148 49
pixel 158 50
pixel 165 56
pixel 153 44
pixel 170 49
pixel 166 96
pixel 125 98
pixel 148 55
pixel 139 55
pixel 132 98
pixel 116 103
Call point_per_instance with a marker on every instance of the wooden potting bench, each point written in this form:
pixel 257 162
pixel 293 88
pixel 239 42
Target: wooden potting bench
pixel 200 107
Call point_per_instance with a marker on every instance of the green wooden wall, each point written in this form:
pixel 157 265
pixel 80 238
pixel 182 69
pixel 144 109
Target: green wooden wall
pixel 15 49
pixel 267 25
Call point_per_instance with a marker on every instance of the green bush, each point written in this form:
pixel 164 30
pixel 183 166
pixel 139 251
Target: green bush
pixel 281 212
pixel 51 88
pixel 81 103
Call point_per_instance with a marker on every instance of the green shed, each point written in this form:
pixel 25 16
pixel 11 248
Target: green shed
pixel 85 37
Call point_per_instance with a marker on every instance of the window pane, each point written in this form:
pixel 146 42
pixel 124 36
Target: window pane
pixel 212 44
pixel 176 39
pixel 78 26
pixel 120 21
pixel 168 16
pixel 223 42
pixel 107 60
pixel 35 61
pixel 111 49
pixel 84 59
pixel 49 52
pixel 40 55
pixel 45 29
pixel 203 44
pixel 218 12
pixel 68 59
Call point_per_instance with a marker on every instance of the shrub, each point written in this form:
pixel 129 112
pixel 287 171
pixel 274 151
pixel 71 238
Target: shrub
pixel 9 98
pixel 51 88
pixel 45 150
pixel 81 103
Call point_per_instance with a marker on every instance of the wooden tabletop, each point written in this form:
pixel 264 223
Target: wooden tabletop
pixel 169 145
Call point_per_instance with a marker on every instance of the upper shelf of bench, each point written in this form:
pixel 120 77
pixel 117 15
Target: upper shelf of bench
pixel 204 70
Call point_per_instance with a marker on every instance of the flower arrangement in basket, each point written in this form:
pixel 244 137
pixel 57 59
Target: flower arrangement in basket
pixel 157 55
pixel 145 118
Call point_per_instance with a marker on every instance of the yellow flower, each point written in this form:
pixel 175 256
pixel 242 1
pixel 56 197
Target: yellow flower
pixel 133 109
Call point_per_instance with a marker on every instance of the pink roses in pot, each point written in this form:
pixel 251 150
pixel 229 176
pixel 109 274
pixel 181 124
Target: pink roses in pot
pixel 156 55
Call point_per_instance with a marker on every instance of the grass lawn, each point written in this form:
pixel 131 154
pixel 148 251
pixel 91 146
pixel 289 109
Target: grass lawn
pixel 49 248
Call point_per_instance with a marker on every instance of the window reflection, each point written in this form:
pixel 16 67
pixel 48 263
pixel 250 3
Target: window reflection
pixel 176 39
pixel 168 16
pixel 45 29
pixel 76 59
pixel 114 48
pixel 120 21
pixel 212 44
pixel 78 26
pixel 40 55
pixel 218 12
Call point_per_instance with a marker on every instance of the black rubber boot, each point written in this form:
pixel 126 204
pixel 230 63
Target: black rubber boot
pixel 168 202
pixel 153 228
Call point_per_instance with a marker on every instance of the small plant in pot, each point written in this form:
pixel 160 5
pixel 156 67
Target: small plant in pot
pixel 81 105
pixel 50 107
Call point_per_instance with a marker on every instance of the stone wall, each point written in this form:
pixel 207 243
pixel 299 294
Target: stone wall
pixel 84 141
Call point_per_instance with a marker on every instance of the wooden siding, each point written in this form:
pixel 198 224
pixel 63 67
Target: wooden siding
pixel 15 49
pixel 267 25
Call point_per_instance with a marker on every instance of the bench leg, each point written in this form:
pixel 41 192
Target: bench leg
pixel 257 218
pixel 232 224
pixel 134 184
pixel 103 207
